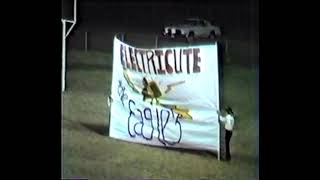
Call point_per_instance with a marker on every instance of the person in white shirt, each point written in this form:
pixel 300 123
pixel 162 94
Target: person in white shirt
pixel 228 121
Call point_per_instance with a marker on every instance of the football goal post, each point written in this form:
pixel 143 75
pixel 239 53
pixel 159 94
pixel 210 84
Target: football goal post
pixel 67 17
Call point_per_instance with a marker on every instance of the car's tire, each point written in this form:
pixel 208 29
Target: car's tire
pixel 212 35
pixel 190 37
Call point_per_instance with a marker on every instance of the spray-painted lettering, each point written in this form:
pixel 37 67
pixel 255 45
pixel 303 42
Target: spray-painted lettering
pixel 146 121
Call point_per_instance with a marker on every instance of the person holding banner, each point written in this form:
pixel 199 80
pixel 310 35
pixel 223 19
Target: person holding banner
pixel 228 121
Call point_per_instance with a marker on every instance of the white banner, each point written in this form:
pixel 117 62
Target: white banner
pixel 166 97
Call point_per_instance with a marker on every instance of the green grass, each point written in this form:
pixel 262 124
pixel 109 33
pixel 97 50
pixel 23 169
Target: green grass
pixel 88 152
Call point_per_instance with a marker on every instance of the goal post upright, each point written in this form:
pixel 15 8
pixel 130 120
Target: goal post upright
pixel 65 34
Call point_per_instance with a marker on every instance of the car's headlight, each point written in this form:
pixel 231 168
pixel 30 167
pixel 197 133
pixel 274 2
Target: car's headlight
pixel 173 30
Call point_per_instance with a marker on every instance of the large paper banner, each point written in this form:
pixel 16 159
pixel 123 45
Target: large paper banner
pixel 166 97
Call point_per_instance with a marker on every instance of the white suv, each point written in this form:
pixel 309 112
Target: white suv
pixel 192 28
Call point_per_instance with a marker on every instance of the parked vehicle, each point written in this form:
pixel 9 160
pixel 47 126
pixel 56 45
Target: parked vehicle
pixel 193 28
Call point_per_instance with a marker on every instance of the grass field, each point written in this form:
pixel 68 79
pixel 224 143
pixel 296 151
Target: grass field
pixel 89 153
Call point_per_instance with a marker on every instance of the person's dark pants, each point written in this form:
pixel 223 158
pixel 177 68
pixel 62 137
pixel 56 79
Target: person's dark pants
pixel 228 137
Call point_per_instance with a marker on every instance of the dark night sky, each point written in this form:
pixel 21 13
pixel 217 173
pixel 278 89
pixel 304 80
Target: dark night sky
pixel 156 12
pixel 238 18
